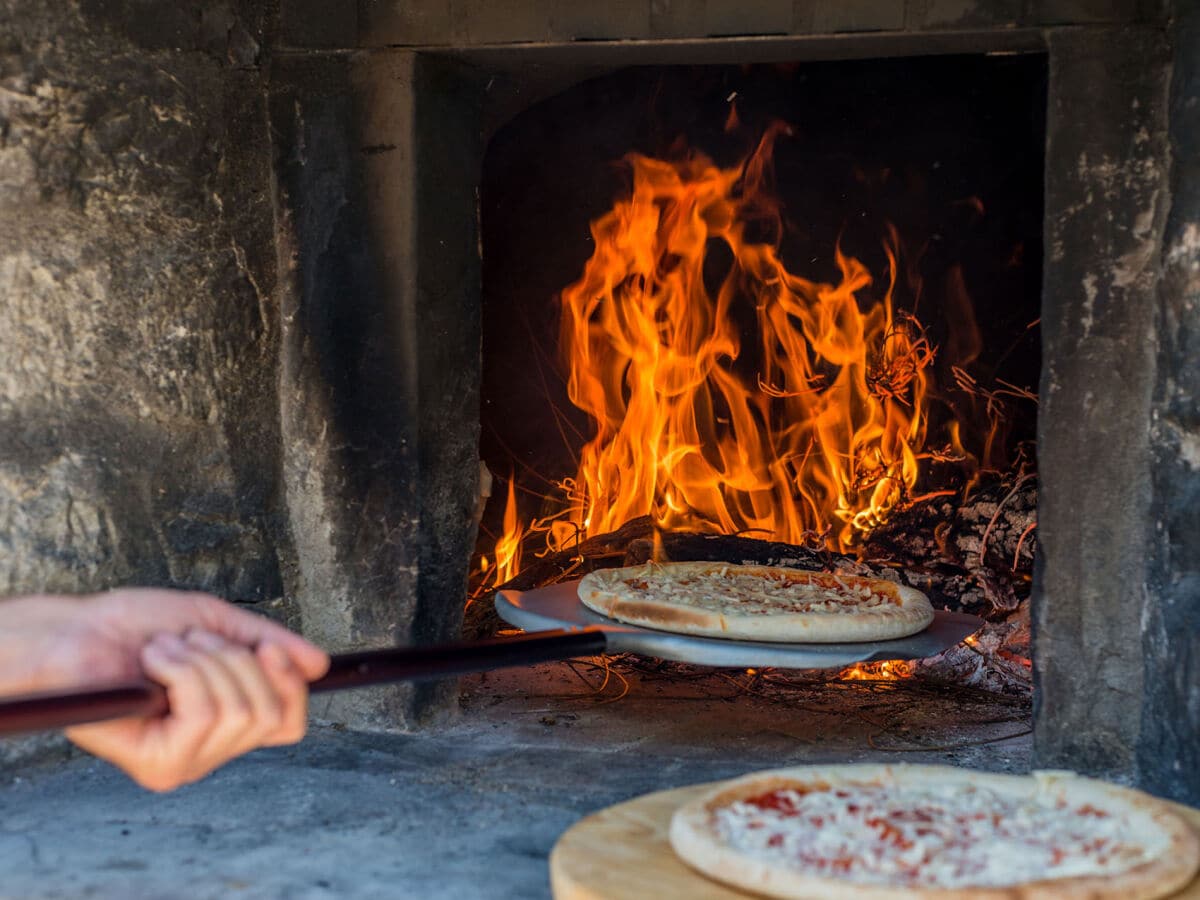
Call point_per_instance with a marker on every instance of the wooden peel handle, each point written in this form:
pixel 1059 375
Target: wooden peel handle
pixel 45 712
pixel 353 670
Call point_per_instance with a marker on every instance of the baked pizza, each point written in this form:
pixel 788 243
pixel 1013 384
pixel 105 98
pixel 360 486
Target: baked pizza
pixel 756 602
pixel 869 832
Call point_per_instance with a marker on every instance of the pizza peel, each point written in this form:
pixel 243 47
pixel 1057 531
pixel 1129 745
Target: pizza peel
pixel 559 606
pixel 558 626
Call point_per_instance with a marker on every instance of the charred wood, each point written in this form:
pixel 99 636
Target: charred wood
pixel 974 556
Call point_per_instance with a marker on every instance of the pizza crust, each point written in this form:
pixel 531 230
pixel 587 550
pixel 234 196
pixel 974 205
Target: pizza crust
pixel 695 840
pixel 756 602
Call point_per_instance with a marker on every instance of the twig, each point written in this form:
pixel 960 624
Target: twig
pixel 609 673
pixel 1021 479
pixel 771 391
pixel 603 664
pixel 1020 541
pixel 946 747
pixel 1019 392
pixel 621 696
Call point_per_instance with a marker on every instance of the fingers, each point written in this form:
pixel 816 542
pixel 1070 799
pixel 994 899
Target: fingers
pixel 225 700
pixel 251 630
pixel 159 753
pixel 291 688
pixel 193 709
pixel 248 710
pixel 132 615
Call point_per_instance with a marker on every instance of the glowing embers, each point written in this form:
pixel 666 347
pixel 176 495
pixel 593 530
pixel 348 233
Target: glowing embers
pixel 888 670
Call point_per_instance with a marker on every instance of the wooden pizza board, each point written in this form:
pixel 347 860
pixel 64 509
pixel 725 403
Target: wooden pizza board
pixel 622 853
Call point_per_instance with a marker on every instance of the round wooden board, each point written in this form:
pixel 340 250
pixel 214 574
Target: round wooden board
pixel 622 853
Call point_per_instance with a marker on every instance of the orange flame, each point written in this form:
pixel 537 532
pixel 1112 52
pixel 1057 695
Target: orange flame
pixel 888 670
pixel 820 432
pixel 813 428
pixel 508 547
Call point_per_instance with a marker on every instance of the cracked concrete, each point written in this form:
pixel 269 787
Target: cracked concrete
pixel 471 809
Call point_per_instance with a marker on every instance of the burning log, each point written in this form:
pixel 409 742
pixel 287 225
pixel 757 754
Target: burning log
pixel 996 659
pixel 974 556
pixel 686 546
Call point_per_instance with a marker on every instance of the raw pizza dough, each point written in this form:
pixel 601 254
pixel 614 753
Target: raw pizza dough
pixel 757 602
pixel 870 832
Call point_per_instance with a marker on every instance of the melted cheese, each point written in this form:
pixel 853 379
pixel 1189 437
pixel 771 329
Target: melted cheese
pixel 730 591
pixel 946 836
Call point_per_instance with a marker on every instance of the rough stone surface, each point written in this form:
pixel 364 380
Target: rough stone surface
pixel 308 23
pixel 43 747
pixel 732 18
pixel 1078 12
pixel 380 360
pixel 1169 745
pixel 382 23
pixel 348 433
pixel 214 359
pixel 963 13
pixel 467 811
pixel 1106 194
pixel 828 16
pixel 137 333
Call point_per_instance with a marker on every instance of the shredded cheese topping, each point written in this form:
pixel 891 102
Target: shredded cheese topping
pixel 735 591
pixel 943 836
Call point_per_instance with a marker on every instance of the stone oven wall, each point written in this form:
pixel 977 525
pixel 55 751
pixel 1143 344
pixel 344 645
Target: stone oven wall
pixel 239 331
pixel 138 334
pixel 173 411
pixel 1168 756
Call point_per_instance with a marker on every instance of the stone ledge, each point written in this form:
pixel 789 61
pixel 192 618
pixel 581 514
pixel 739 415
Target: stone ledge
pixel 478 23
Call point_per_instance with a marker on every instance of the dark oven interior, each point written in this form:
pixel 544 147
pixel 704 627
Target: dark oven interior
pixel 912 185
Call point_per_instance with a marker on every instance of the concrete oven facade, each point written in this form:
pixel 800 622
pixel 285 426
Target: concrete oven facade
pixel 240 329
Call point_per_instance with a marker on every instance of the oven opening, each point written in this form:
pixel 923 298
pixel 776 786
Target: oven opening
pixel 782 314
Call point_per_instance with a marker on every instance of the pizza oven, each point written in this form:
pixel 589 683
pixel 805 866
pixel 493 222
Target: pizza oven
pixel 360 254
pixel 981 174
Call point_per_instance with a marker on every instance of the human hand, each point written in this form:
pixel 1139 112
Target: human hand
pixel 235 681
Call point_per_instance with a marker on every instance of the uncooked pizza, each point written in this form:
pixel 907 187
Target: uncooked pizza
pixel 935 833
pixel 762 603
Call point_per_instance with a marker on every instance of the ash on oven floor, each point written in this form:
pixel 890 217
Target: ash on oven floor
pixel 472 809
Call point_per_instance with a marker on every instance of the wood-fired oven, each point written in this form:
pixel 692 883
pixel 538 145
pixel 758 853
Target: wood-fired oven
pixel 346 259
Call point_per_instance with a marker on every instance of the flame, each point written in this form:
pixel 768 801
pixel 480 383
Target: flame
pixel 508 547
pixel 888 670
pixel 728 394
pixel 813 430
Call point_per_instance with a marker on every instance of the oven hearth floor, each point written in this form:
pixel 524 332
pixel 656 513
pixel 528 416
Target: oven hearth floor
pixel 470 809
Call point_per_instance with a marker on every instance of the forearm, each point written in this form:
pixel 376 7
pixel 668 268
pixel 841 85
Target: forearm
pixel 31 637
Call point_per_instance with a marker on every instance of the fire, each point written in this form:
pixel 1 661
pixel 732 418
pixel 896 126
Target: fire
pixel 888 670
pixel 508 547
pixel 769 404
